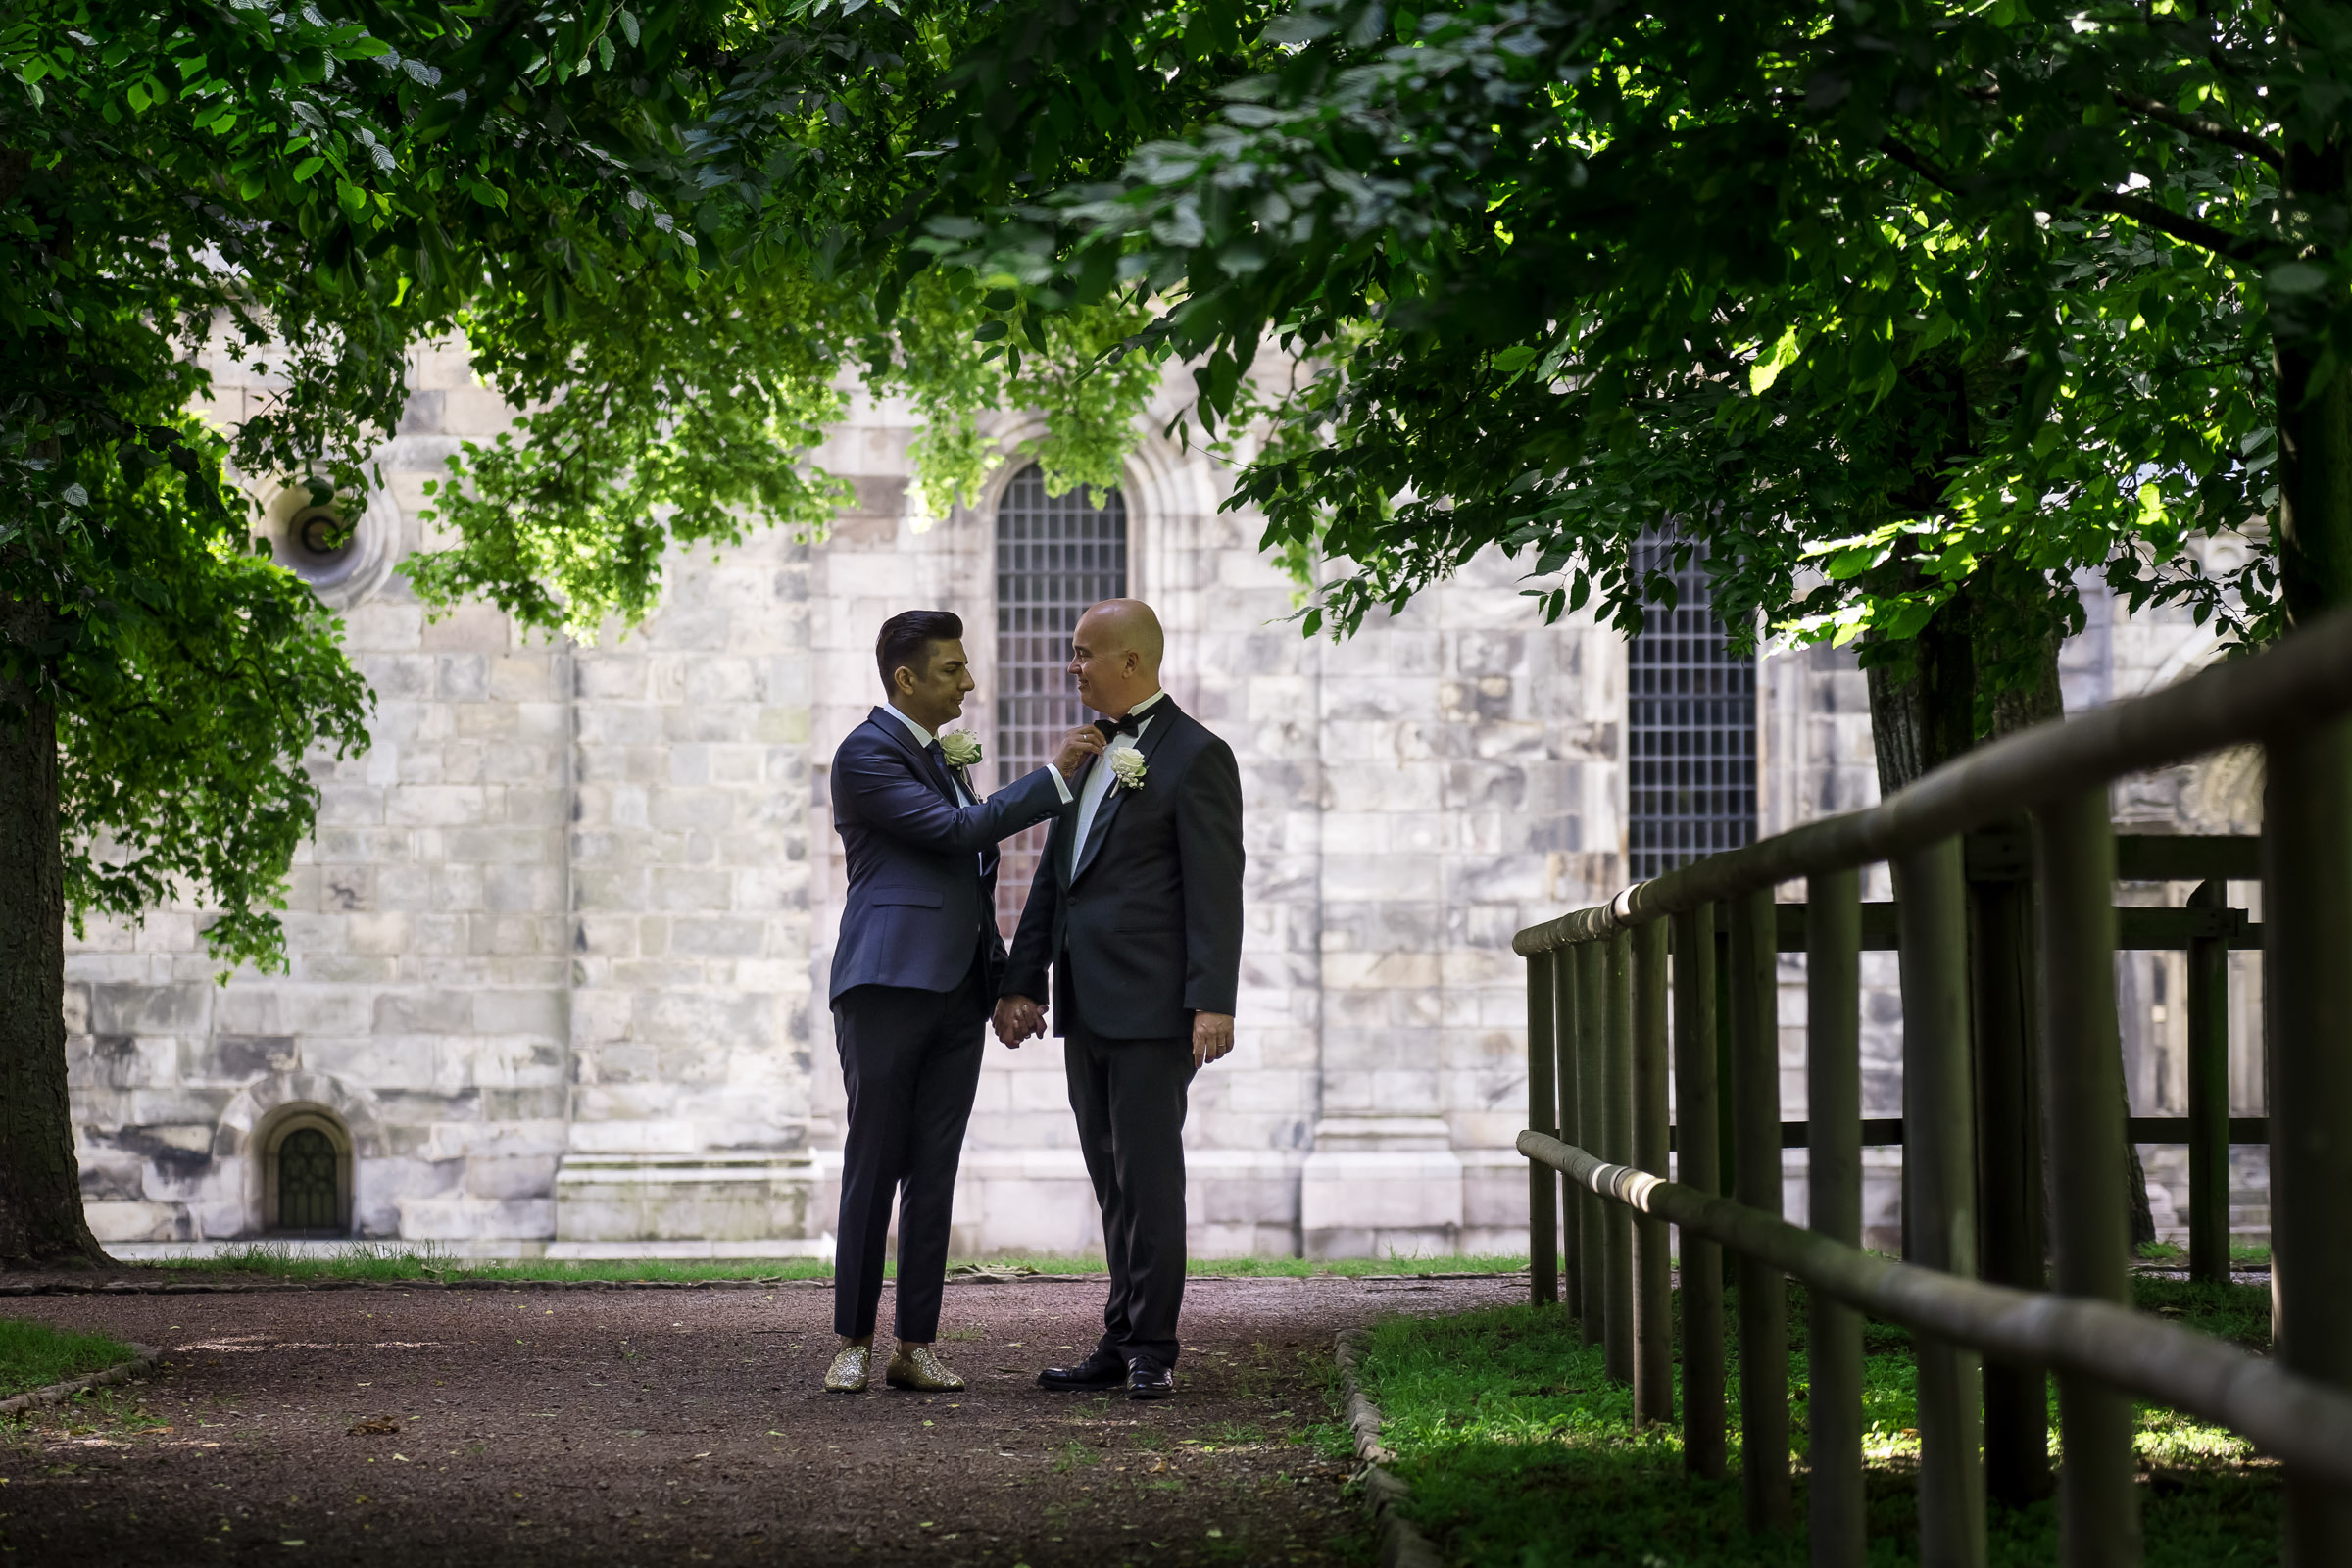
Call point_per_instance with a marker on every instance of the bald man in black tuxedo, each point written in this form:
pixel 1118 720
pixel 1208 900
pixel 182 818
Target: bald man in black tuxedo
pixel 1136 909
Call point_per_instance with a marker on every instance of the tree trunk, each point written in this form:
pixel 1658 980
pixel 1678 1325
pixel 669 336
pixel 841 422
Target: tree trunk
pixel 2310 1120
pixel 41 1180
pixel 1925 710
pixel 2315 487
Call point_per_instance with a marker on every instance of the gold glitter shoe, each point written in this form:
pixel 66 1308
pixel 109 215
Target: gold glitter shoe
pixel 920 1369
pixel 847 1375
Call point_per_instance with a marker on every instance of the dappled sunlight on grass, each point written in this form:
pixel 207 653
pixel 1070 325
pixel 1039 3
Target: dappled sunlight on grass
pixel 2169 1438
pixel 1520 1451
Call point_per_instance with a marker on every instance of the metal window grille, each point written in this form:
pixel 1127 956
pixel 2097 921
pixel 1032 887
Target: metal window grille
pixel 1690 729
pixel 306 1195
pixel 1055 554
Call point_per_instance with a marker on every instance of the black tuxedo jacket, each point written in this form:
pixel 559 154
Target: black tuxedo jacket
pixel 1142 924
pixel 923 868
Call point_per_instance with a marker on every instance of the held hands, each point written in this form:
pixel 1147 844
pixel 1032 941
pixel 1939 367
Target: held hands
pixel 1018 1018
pixel 1212 1037
pixel 1076 746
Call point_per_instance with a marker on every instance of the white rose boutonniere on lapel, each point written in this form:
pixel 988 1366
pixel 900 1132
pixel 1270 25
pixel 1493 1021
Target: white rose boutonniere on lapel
pixel 1126 765
pixel 960 747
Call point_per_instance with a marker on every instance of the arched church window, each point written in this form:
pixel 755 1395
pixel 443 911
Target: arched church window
pixel 1690 727
pixel 1055 554
pixel 306 1175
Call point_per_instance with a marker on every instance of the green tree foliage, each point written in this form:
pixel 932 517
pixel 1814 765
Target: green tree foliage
pixel 308 192
pixel 670 236
pixel 1910 295
pixel 312 191
pixel 824 142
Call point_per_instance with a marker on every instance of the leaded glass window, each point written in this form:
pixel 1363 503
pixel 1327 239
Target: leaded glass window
pixel 1690 728
pixel 1055 554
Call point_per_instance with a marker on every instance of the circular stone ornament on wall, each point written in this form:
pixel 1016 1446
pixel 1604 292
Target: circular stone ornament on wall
pixel 344 558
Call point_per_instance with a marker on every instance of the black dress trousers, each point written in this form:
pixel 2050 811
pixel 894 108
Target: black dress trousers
pixel 1130 1096
pixel 911 1060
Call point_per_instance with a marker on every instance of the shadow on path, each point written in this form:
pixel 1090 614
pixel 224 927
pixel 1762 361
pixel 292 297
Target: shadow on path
pixel 637 1425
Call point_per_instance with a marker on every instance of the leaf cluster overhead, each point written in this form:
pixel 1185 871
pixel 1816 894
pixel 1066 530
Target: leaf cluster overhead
pixel 1887 297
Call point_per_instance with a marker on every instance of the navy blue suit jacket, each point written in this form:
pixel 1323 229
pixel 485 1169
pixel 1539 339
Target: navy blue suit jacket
pixel 923 868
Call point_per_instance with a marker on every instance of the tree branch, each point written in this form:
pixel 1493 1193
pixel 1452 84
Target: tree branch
pixel 2183 227
pixel 1918 163
pixel 2199 126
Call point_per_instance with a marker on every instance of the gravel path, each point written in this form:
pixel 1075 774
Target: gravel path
pixel 673 1426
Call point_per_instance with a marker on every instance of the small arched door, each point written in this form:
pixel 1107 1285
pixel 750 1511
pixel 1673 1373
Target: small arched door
pixel 306 1175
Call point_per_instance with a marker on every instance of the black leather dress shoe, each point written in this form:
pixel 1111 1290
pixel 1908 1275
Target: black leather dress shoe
pixel 1100 1370
pixel 1147 1382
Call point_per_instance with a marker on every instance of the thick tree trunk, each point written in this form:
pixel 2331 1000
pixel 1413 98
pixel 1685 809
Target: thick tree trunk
pixel 1925 711
pixel 40 1181
pixel 1960 683
pixel 2315 487
pixel 2310 1126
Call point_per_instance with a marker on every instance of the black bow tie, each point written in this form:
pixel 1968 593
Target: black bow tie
pixel 1130 726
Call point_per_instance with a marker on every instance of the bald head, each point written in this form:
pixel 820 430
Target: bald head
pixel 1124 626
pixel 1115 655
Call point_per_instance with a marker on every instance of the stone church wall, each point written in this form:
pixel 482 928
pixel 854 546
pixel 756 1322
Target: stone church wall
pixel 558 951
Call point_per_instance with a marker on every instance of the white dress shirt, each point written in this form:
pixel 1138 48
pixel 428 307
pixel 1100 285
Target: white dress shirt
pixel 1100 778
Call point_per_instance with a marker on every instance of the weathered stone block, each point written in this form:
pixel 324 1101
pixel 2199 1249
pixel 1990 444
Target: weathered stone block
pixel 153 1009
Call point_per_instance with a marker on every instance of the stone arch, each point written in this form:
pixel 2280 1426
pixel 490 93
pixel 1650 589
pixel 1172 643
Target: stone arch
pixel 253 1129
pixel 306 1170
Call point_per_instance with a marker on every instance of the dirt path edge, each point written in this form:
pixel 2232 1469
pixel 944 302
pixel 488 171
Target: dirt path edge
pixel 142 1359
pixel 1400 1544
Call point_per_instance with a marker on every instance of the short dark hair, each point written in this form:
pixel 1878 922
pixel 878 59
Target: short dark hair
pixel 906 638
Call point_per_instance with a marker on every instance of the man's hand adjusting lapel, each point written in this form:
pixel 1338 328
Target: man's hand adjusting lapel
pixel 1077 747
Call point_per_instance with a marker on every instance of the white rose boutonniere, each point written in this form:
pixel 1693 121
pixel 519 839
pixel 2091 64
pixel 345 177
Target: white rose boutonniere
pixel 1126 767
pixel 960 747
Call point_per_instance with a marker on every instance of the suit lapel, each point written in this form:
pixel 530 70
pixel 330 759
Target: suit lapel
pixel 1064 844
pixel 888 722
pixel 1163 714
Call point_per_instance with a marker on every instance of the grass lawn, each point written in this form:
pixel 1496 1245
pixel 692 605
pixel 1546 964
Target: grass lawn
pixel 394 1262
pixel 1521 1455
pixel 2174 1254
pixel 34 1355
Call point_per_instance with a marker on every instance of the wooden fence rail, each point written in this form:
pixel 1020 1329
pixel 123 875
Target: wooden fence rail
pixel 2006 930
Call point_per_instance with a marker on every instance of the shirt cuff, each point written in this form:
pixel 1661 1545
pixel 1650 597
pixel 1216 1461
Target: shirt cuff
pixel 1061 784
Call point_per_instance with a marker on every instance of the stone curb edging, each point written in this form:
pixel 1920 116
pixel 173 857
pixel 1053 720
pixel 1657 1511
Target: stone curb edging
pixel 1400 1544
pixel 142 1360
pixel 825 1282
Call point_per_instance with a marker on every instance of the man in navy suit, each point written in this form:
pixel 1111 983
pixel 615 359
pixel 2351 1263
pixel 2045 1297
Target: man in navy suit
pixel 913 976
pixel 1137 909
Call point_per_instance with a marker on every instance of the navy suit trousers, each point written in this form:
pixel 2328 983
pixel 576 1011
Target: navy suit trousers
pixel 911 1060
